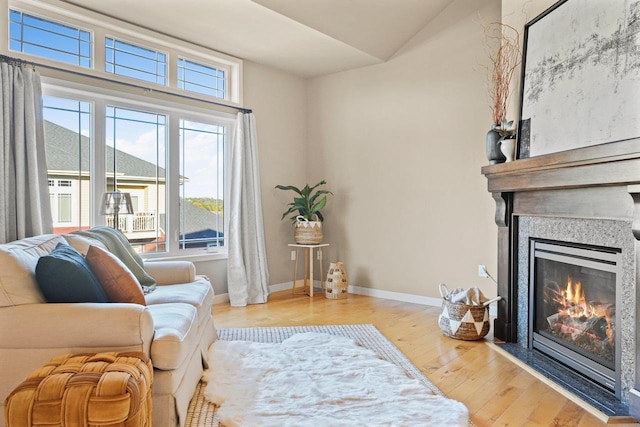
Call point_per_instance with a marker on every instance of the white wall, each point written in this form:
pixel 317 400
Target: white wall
pixel 401 145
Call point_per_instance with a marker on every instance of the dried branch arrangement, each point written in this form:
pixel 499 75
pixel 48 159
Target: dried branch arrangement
pixel 502 44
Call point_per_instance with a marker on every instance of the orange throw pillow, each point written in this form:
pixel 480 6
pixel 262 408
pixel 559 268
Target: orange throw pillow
pixel 116 279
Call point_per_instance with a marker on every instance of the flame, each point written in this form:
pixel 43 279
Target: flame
pixel 575 302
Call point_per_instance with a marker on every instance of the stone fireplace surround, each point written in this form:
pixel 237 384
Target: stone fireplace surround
pixel 589 195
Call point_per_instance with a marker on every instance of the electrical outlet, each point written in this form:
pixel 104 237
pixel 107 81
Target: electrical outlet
pixel 482 271
pixel 293 255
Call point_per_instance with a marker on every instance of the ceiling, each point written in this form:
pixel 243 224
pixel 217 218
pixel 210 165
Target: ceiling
pixel 305 37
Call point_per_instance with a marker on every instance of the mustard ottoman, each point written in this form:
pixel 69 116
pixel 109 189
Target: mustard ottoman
pixel 102 389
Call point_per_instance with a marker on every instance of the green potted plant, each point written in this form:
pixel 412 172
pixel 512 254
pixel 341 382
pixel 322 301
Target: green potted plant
pixel 305 211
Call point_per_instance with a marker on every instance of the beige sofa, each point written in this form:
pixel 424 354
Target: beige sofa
pixel 175 328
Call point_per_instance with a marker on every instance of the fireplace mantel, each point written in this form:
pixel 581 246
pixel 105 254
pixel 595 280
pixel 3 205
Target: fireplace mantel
pixel 615 163
pixel 600 182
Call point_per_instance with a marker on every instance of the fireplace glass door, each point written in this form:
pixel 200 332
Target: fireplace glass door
pixel 574 308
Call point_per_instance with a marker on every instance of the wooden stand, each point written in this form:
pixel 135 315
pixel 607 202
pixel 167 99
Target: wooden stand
pixel 307 286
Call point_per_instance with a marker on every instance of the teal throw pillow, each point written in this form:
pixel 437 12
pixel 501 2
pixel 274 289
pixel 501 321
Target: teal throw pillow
pixel 65 276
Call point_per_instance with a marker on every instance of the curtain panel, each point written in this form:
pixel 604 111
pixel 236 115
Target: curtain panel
pixel 247 273
pixel 24 192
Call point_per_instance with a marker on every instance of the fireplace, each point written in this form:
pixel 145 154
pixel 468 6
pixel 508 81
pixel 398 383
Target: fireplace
pixel 572 316
pixel 590 198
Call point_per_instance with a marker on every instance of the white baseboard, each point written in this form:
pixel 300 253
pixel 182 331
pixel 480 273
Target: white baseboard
pixel 377 293
pixel 282 286
pixel 221 298
pixel 396 296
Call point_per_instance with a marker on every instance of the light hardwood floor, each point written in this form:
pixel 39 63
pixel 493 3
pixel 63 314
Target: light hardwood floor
pixel 496 391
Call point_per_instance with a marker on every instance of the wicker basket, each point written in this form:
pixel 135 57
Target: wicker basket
pixel 307 232
pixel 462 321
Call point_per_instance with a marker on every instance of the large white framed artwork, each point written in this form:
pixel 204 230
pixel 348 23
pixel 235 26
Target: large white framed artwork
pixel 581 76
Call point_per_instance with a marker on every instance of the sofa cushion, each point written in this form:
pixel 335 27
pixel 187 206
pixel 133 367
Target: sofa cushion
pixel 176 334
pixel 82 243
pixel 116 279
pixel 64 276
pixel 18 267
pixel 170 272
pixel 198 294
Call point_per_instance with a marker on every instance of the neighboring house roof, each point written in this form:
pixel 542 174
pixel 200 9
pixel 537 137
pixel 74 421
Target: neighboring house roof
pixel 63 152
pixel 200 223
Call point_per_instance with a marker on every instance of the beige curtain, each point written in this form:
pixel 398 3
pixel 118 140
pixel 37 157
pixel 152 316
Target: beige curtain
pixel 247 274
pixel 24 193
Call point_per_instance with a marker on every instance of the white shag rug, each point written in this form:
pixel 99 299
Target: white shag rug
pixel 313 379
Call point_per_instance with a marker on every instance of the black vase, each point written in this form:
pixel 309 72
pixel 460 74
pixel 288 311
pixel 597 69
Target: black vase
pixel 494 155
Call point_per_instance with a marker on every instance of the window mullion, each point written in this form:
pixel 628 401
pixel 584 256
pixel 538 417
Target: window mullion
pixel 173 186
pixel 98 162
pixel 98 49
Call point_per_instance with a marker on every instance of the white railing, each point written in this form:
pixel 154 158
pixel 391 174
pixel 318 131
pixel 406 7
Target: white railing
pixel 136 223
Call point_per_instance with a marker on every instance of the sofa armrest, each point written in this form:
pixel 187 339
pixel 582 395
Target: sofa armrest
pixel 171 272
pixel 80 325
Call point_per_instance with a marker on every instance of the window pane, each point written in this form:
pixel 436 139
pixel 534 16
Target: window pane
pixel 64 207
pixel 47 39
pixel 136 62
pixel 67 128
pixel 201 78
pixel 136 150
pixel 202 163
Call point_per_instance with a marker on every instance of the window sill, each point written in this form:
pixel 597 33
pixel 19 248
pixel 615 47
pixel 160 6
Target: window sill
pixel 193 257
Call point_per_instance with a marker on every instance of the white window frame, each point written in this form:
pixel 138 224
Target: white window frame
pixel 116 39
pixel 101 26
pixel 54 21
pixel 227 70
pixel 100 98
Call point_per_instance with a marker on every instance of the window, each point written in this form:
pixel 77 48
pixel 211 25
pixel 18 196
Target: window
pixel 202 166
pixel 68 34
pixel 201 78
pixel 167 152
pixel 64 207
pixel 48 39
pixel 138 141
pixel 135 203
pixel 67 131
pixel 128 60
